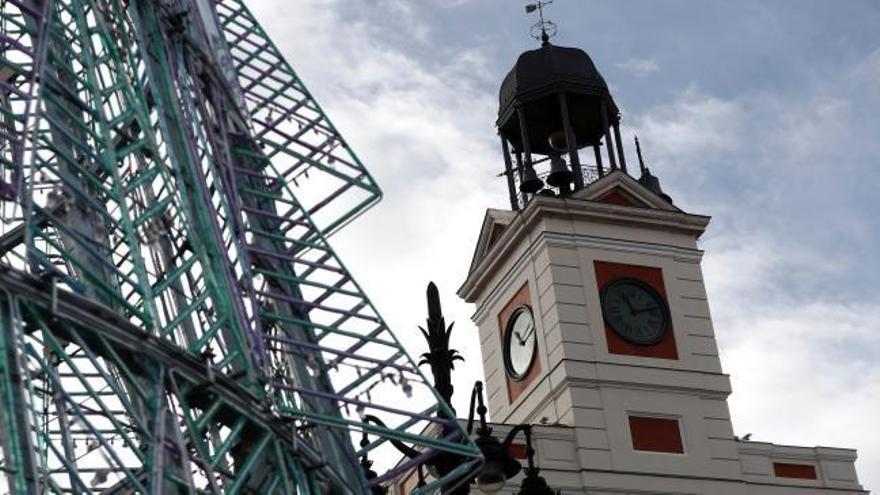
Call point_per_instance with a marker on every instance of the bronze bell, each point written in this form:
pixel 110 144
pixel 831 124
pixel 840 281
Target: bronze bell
pixel 560 175
pixel 530 182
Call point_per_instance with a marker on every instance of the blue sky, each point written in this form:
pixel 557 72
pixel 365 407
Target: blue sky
pixel 763 114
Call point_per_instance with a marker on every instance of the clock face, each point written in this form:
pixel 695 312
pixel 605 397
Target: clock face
pixel 635 311
pixel 519 343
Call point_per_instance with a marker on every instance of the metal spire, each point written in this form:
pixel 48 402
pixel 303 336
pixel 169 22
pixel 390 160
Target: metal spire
pixel 648 179
pixel 639 152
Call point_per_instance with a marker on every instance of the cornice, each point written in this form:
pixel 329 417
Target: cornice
pixel 567 239
pixel 576 210
pixel 796 452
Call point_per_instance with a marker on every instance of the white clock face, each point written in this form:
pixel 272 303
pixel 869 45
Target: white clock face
pixel 519 343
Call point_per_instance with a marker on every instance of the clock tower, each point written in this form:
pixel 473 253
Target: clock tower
pixel 592 310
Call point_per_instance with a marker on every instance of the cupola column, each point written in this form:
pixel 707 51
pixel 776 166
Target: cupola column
pixel 508 171
pixel 603 110
pixel 620 155
pixel 524 131
pixel 598 154
pixel 571 142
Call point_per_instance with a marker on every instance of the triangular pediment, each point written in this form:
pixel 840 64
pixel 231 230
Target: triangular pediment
pixel 494 224
pixel 619 188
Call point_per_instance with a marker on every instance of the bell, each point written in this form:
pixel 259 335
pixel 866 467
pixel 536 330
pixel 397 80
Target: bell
pixel 557 141
pixel 560 175
pixel 530 181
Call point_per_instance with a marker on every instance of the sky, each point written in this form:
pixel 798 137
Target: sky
pixel 762 114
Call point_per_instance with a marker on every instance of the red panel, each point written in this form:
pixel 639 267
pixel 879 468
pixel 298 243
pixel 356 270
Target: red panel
pixel 607 272
pixel 656 434
pixel 516 387
pixel 802 471
pixel 517 451
pixel 617 197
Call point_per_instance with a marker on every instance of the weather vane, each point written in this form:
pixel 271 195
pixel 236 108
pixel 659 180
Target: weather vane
pixel 542 30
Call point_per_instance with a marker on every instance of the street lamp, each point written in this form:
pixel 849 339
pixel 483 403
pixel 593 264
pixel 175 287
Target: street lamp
pixel 532 484
pixel 498 466
pixel 367 465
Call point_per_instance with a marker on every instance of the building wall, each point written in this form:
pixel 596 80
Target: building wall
pixel 587 394
pixel 557 455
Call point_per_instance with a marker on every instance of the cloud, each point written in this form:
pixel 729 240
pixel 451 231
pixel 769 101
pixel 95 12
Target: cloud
pixel 803 371
pixel 869 68
pixel 693 125
pixel 451 3
pixel 640 67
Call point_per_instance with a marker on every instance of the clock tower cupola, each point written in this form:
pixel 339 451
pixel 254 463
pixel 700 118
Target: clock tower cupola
pixel 589 293
pixel 554 104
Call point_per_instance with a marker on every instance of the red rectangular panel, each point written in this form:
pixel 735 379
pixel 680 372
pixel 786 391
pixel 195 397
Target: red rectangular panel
pixel 517 451
pixel 787 470
pixel 656 434
pixel 516 388
pixel 607 272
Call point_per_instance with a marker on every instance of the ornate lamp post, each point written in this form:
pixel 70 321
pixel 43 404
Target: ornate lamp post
pixel 532 484
pixel 499 466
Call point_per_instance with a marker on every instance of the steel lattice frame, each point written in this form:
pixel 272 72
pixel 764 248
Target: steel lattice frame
pixel 172 317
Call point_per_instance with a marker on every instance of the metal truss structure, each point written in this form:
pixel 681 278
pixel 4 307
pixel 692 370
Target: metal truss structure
pixel 172 317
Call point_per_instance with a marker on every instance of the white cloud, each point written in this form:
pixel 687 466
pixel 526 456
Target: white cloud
pixel 451 3
pixel 803 371
pixel 808 134
pixel 640 67
pixel 692 125
pixel 869 68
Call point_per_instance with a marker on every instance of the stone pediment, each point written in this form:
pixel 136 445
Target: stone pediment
pixel 616 199
pixel 621 189
pixel 494 224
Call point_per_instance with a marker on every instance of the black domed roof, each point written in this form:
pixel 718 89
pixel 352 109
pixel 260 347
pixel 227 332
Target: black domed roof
pixel 549 69
pixel 535 82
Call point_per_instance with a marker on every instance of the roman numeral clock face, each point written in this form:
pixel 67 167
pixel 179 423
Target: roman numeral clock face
pixel 635 311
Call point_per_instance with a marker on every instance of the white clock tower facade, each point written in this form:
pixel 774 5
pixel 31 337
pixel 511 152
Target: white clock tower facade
pixel 603 278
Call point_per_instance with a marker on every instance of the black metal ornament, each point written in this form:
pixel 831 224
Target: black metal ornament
pixel 440 357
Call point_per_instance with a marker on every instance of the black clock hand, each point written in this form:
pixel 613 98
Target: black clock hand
pixel 628 302
pixel 528 334
pixel 519 338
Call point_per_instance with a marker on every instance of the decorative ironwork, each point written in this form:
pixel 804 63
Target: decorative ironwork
pixel 542 30
pixel 172 316
pixel 591 174
pixel 440 356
